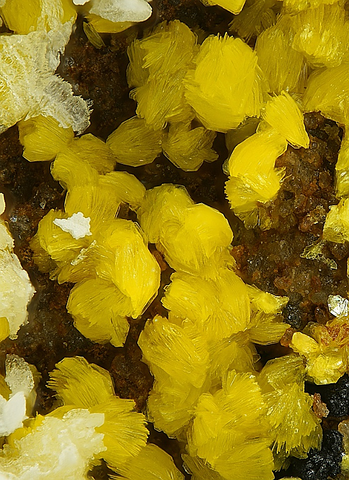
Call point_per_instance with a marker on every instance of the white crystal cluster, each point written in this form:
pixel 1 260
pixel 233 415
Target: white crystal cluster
pixel 16 290
pixel 29 85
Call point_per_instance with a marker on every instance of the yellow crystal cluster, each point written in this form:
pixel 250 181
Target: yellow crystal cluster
pixel 325 348
pixel 234 418
pixel 89 423
pixel 156 73
pixel 107 257
pixel 199 355
pixel 220 84
pixel 224 81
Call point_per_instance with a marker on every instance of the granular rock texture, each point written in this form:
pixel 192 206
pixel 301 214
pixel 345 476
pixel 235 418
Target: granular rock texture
pixel 291 258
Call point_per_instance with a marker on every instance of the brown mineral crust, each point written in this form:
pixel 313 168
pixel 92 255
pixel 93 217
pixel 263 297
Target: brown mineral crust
pixel 100 76
pixel 130 375
pixel 271 259
pixel 194 14
pixel 50 336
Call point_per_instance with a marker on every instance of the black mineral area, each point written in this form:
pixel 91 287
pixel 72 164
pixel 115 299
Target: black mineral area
pixel 321 464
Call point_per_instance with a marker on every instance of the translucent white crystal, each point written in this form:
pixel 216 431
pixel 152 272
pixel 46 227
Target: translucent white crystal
pixel 28 85
pixel 16 290
pixel 12 413
pixel 122 10
pixel 22 377
pixel 2 203
pixel 19 376
pixel 337 305
pixel 77 225
pixel 57 449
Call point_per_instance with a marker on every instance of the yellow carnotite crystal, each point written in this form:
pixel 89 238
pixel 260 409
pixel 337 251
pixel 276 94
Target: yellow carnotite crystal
pixel 342 168
pixel 56 448
pixel 99 202
pixel 179 360
pixel 256 16
pixel 80 384
pixel 78 246
pixel 235 352
pixel 162 341
pixel 242 458
pixel 266 324
pixel 188 148
pixel 134 143
pixel 237 135
pixel 94 152
pixel 151 463
pixel 328 93
pixel 230 416
pixel 325 348
pixel 124 259
pixel 99 311
pixel 167 54
pixel 124 430
pixel 336 228
pixel 265 329
pixel 299 5
pixel 81 161
pixel 56 250
pixel 162 205
pixel 218 308
pixel 136 74
pixel 231 423
pixel 71 171
pixel 284 116
pixel 264 301
pixel 225 86
pixel 127 187
pixel 193 238
pixel 43 138
pixel 343 428
pixel 321 34
pixel 283 67
pixel 170 404
pixel 233 6
pixel 294 427
pixel 199 243
pixel 253 176
pixel 68 239
pixel 24 16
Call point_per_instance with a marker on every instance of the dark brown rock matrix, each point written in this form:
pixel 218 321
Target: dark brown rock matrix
pixel 291 258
